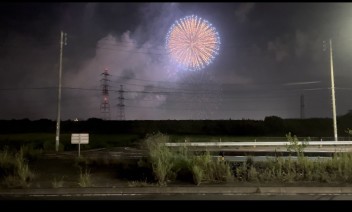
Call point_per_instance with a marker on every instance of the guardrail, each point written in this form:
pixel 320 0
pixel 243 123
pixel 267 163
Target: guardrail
pixel 273 143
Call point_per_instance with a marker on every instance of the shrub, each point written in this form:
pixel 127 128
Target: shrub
pixel 295 146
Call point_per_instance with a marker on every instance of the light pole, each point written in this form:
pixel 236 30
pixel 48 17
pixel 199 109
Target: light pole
pixel 57 139
pixel 333 92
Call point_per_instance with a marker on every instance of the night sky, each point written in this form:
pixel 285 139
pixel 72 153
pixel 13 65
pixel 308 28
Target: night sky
pixel 270 55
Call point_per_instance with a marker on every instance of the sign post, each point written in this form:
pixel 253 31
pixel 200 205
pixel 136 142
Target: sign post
pixel 79 138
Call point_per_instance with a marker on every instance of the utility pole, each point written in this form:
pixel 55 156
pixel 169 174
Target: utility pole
pixel 333 92
pixel 59 92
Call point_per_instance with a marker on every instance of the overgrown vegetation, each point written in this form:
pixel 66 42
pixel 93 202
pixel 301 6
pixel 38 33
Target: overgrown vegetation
pixel 14 169
pixel 338 169
pixel 169 165
pixel 164 165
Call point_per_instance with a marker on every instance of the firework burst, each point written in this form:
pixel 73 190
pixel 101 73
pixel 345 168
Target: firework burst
pixel 192 42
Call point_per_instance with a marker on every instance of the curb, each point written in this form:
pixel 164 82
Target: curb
pixel 176 190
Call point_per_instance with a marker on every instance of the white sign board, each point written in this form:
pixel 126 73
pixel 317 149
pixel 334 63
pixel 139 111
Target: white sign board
pixel 80 138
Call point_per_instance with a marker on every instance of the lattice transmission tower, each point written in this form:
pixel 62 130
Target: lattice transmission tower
pixel 105 104
pixel 121 105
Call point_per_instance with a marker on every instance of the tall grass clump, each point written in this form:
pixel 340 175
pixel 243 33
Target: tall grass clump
pixel 160 157
pixel 14 169
pixel 206 168
pixel 7 165
pixel 85 179
pixel 340 167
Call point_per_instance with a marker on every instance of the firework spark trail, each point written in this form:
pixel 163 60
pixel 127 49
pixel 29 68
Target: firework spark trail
pixel 193 42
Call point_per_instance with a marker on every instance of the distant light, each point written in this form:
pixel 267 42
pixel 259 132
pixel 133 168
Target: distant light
pixel 76 119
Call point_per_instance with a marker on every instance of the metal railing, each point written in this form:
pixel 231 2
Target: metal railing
pixel 270 143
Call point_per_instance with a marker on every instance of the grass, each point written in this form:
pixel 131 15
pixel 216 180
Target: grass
pixel 161 157
pixel 14 169
pixel 336 170
pixel 171 164
pixel 85 179
pixel 23 172
pixel 46 141
pixel 139 183
pixel 207 169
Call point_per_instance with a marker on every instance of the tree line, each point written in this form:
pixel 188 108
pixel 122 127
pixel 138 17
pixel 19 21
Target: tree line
pixel 270 126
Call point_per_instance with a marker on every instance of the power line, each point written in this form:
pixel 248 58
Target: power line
pixel 196 84
pixel 219 90
pixel 155 92
pixel 197 109
pixel 231 92
pixel 160 87
pixel 245 98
